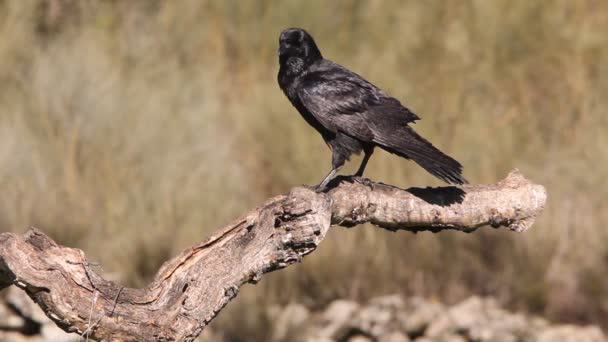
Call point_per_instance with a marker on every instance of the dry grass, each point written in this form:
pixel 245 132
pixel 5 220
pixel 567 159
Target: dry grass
pixel 132 129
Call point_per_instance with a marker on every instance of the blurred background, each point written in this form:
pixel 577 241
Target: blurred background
pixel 132 129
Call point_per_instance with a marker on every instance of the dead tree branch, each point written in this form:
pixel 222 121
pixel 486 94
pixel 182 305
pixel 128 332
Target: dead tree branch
pixel 190 289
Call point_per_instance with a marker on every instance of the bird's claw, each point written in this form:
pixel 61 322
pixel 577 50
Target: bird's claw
pixel 364 181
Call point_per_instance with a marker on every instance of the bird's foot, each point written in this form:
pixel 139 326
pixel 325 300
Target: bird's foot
pixel 362 180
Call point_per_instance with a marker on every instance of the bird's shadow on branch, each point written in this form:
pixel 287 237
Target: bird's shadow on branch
pixel 442 196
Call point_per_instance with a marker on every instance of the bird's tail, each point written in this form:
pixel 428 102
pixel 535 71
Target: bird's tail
pixel 408 144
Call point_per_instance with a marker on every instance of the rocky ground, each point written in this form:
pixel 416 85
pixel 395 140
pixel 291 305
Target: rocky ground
pixel 393 319
pixel 383 319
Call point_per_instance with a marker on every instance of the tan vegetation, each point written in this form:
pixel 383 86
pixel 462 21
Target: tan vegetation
pixel 131 129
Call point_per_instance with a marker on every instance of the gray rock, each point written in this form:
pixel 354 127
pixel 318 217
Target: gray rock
pixel 9 319
pixel 48 330
pixel 425 339
pixel 379 316
pixel 452 338
pixel 373 320
pixel 360 338
pixel 210 335
pixel 340 311
pixel 482 320
pixel 571 333
pixel 336 320
pixel 418 315
pixel 443 338
pixel 394 336
pixel 293 317
pixel 319 339
pixel 19 299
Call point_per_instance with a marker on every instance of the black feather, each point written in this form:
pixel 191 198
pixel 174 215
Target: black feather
pixel 352 114
pixel 411 145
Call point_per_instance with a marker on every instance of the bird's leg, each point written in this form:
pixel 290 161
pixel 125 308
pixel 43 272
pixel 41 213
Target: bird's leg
pixel 338 158
pixel 327 179
pixel 368 153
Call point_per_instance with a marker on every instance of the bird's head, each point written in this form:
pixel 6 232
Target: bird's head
pixel 298 47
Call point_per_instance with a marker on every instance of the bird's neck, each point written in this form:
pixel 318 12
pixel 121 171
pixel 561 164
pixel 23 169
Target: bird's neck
pixel 292 66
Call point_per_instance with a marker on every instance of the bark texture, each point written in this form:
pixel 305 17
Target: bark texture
pixel 190 289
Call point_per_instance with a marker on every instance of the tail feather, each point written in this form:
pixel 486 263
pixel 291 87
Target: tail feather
pixel 408 144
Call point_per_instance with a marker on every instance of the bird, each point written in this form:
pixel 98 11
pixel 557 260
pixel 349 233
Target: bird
pixel 352 114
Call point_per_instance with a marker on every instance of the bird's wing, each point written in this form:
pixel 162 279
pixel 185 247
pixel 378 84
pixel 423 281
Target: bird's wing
pixel 351 105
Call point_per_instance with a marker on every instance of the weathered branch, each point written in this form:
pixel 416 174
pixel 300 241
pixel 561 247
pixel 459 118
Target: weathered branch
pixel 189 290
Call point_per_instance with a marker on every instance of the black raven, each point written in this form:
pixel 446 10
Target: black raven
pixel 352 114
